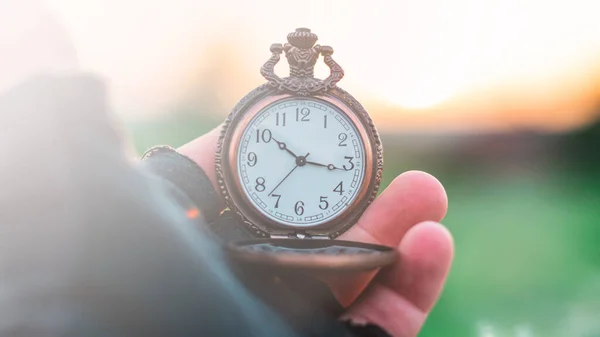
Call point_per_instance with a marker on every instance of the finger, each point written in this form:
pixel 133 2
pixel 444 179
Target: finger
pixel 411 198
pixel 403 295
pixel 426 254
pixel 202 151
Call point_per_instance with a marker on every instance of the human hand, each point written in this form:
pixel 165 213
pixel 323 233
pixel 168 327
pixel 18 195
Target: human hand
pixel 406 216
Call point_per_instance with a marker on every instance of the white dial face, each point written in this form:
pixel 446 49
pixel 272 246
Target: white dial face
pixel 301 162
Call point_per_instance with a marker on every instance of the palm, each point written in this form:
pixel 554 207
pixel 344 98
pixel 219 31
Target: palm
pixel 405 216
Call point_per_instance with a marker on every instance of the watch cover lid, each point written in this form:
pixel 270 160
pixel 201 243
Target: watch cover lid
pixel 300 254
pixel 312 255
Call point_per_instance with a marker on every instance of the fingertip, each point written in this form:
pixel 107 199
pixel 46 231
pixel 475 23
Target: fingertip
pixel 429 240
pixel 411 198
pixel 426 190
pixel 425 257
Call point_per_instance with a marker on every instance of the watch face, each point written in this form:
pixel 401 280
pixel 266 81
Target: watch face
pixel 301 161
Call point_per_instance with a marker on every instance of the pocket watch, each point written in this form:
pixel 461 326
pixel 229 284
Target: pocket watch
pixel 298 161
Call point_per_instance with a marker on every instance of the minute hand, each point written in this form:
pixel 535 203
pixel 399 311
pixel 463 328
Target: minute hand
pixel 330 167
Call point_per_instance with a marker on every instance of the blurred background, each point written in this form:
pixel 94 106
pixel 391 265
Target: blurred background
pixel 499 99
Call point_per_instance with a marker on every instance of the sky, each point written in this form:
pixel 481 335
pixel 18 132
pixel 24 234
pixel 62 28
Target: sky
pixel 429 64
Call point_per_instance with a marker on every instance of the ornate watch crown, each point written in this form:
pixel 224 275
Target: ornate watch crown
pixel 302 55
pixel 302 38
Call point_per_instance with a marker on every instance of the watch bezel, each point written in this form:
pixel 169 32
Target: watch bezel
pixel 227 169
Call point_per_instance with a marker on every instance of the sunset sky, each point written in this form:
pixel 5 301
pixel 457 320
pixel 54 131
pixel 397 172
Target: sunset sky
pixel 461 64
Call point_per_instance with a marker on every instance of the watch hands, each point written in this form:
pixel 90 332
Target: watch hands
pixel 282 146
pixel 330 167
pixel 300 161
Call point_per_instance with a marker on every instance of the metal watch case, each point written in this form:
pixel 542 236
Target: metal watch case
pixel 290 246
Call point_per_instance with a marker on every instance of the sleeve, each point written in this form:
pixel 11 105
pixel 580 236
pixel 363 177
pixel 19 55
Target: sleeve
pixel 91 245
pixel 305 303
pixel 186 175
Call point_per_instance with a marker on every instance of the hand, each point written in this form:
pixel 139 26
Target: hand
pixel 405 216
pixel 330 167
pixel 282 146
pixel 300 161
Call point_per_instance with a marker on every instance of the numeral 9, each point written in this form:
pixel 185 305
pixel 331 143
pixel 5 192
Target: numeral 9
pixel 252 159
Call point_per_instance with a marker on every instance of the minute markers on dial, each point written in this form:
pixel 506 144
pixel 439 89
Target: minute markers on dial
pixel 293 195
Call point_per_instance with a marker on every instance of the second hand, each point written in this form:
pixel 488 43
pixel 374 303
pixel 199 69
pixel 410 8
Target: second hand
pixel 300 161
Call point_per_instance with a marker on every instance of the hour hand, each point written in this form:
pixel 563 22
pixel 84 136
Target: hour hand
pixel 282 146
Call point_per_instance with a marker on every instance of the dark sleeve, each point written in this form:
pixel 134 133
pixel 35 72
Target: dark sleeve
pixel 304 303
pixel 91 245
pixel 166 163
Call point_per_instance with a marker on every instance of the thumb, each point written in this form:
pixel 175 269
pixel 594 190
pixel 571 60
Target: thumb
pixel 202 151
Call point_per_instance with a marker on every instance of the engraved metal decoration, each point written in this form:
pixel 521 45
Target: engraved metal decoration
pixel 302 55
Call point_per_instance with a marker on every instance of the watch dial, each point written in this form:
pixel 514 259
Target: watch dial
pixel 301 161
